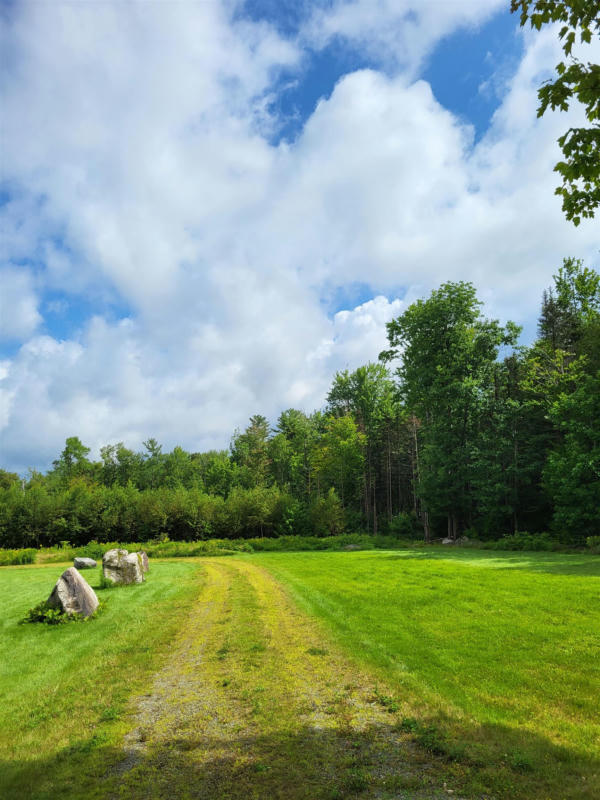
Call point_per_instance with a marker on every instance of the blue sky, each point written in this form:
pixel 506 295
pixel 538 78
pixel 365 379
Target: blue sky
pixel 209 208
pixel 466 70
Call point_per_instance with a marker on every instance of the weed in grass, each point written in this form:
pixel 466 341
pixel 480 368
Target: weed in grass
pixel 408 725
pixel 520 762
pixel 357 781
pixel 222 652
pixel 387 702
pixel 430 738
pixel 317 651
pixel 109 714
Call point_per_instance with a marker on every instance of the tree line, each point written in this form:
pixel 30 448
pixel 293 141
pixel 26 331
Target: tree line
pixel 455 430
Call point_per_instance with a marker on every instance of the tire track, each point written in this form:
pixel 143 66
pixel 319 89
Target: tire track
pixel 256 702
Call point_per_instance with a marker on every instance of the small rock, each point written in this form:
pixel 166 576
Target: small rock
pixel 121 566
pixel 447 541
pixel 84 563
pixel 73 594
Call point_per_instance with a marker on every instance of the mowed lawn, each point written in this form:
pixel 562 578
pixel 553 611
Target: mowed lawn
pixel 493 659
pixel 64 688
pixel 488 665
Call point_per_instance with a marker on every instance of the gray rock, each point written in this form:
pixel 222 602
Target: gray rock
pixel 447 541
pixel 145 562
pixel 351 547
pixel 121 566
pixel 73 594
pixel 84 563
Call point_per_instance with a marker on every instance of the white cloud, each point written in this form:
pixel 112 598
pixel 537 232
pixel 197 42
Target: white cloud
pixel 141 169
pixel 397 33
pixel 357 336
pixel 19 316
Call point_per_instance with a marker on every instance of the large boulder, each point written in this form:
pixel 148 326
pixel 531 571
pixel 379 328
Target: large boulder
pixel 84 563
pixel 73 594
pixel 121 566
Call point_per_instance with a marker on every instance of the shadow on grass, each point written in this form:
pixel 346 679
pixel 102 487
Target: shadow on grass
pixel 405 759
pixel 552 563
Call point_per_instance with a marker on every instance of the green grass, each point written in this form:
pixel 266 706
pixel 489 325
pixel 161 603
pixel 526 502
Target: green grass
pixel 486 664
pixel 64 688
pixel 493 659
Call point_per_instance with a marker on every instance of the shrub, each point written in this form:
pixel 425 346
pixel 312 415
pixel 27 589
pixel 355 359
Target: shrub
pixel 11 557
pixel 522 540
pixel 593 543
pixel 93 550
pixel 54 616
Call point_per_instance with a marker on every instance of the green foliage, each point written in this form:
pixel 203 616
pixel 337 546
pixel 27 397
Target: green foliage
pixel 338 461
pixel 50 616
pixel 386 701
pixel 26 556
pixel 593 543
pixel 250 452
pixel 575 80
pixel 404 525
pixel 572 473
pixel 448 365
pixel 327 514
pixel 54 616
pixel 521 540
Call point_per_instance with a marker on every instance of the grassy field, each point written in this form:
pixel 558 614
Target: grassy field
pixel 414 674
pixel 493 659
pixel 64 688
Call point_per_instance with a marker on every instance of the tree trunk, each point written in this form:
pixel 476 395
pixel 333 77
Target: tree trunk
pixel 426 528
pixel 389 476
pixel 374 510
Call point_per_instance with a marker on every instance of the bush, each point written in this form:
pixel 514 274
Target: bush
pixel 93 550
pixel 11 557
pixel 522 540
pixel 165 548
pixel 44 613
pixel 593 543
pixel 54 616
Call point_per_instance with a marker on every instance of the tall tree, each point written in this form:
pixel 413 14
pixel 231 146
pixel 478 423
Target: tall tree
pixel 572 473
pixel 338 458
pixel 73 461
pixel 448 359
pixel 368 394
pixel 249 450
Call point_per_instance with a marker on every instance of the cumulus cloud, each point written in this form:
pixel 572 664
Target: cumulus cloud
pixel 140 168
pixel 19 316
